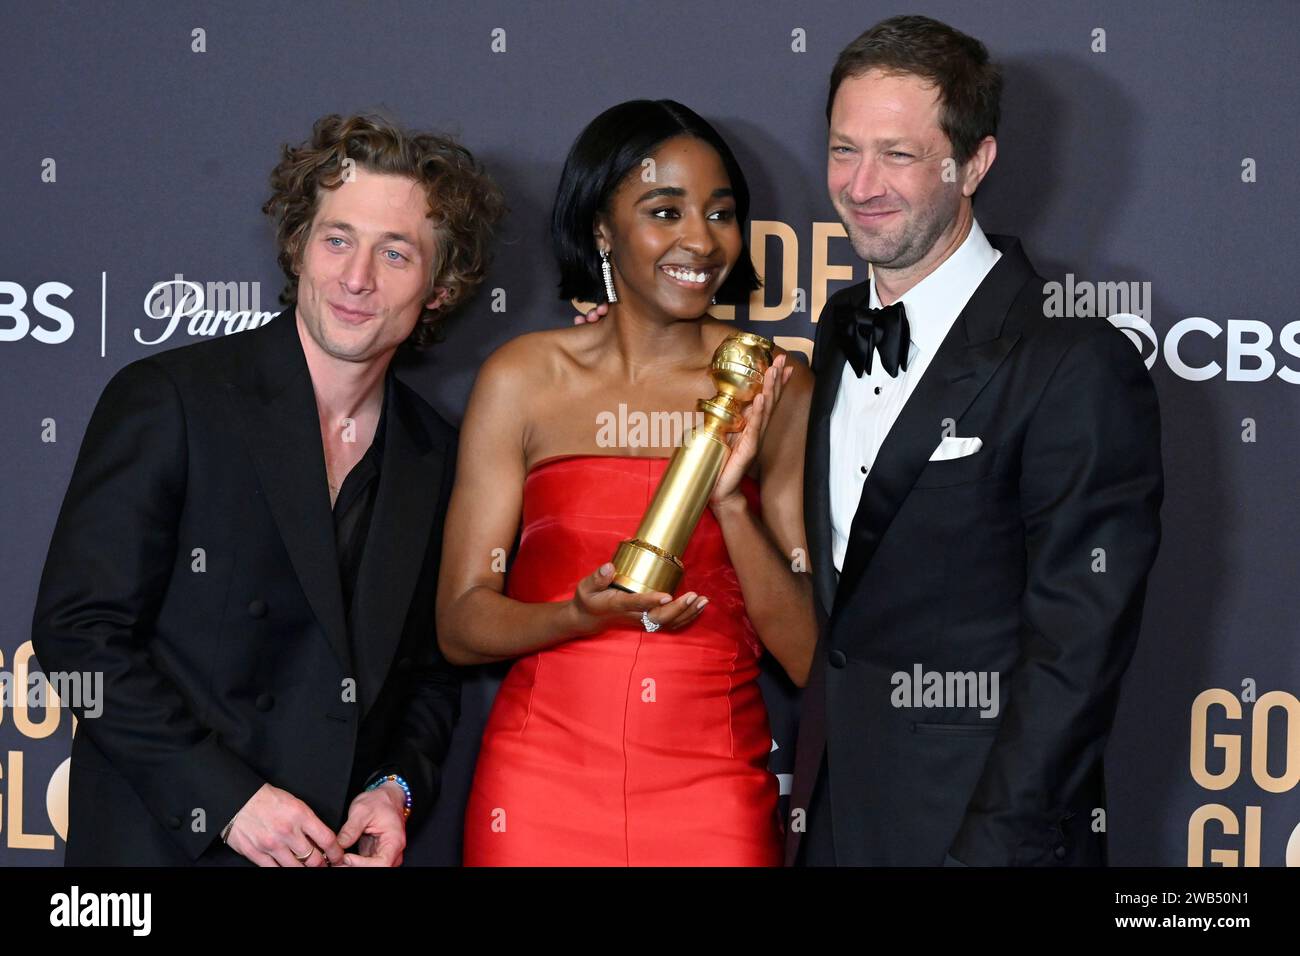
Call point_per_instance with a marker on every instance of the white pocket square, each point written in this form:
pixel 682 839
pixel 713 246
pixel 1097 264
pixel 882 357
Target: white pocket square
pixel 950 448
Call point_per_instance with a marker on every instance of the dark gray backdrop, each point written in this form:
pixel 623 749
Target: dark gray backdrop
pixel 1117 166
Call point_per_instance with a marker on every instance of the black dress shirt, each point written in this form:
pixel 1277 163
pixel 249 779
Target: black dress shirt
pixel 355 505
pixel 353 509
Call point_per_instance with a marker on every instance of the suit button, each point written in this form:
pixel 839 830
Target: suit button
pixel 838 659
pixel 174 822
pixel 264 702
pixel 1060 852
pixel 257 608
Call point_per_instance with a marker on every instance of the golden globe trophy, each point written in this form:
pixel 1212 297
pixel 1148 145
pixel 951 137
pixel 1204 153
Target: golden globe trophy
pixel 652 561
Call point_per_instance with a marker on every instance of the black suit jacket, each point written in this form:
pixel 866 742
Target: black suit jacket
pixel 985 563
pixel 194 564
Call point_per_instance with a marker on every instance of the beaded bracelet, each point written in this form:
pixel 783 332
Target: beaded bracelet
pixel 401 782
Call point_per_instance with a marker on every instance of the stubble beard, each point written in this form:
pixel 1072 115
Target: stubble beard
pixel 905 249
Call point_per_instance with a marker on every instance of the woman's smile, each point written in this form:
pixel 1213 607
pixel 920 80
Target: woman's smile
pixel 690 278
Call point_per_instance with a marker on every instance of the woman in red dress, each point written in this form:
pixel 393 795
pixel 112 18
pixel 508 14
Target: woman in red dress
pixel 613 741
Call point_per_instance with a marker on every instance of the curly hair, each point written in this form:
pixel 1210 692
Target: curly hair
pixel 464 203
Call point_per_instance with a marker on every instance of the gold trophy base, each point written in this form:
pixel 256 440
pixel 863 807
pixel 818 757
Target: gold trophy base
pixel 640 568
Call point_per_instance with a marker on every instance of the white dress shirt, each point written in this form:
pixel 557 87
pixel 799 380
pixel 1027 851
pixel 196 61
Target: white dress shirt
pixel 866 408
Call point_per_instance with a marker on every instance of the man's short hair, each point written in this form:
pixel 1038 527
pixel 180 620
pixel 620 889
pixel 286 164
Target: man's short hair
pixel 464 203
pixel 970 87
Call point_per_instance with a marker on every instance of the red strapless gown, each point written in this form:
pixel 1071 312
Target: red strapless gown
pixel 624 748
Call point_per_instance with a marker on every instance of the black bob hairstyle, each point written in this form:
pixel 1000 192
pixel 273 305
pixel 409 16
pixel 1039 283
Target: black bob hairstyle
pixel 613 145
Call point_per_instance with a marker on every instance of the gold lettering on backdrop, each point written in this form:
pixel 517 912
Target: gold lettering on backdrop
pixel 1259 742
pixel 1230 744
pixel 1220 814
pixel 18 840
pixel 760 230
pixel 812 297
pixel 56 798
pixel 1230 747
pixel 11 782
pixel 823 273
pixel 22 720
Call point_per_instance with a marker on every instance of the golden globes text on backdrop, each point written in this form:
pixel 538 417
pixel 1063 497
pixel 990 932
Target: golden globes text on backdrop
pixel 1223 736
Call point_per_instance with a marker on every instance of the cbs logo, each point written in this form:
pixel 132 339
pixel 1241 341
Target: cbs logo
pixel 1247 348
pixel 15 324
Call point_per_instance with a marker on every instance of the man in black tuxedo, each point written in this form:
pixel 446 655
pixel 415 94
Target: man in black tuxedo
pixel 248 549
pixel 982 494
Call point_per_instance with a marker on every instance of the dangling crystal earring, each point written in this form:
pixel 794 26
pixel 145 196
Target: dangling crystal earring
pixel 607 272
pixel 713 300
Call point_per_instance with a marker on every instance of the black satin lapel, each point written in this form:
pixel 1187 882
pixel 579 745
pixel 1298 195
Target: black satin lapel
pixel 958 373
pixel 409 489
pixel 969 355
pixel 277 412
pixel 828 362
pixel 816 499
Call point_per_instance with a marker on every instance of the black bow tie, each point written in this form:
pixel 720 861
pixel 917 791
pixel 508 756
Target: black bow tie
pixel 862 330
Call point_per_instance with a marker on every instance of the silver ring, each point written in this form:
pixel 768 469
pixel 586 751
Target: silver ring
pixel 648 624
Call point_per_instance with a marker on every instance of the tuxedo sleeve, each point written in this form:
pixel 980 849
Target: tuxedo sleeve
pixel 419 748
pixel 1091 485
pixel 111 558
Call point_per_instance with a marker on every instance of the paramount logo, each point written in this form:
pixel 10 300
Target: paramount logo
pixel 210 307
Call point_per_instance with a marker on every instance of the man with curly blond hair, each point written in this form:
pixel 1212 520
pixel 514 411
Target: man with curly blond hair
pixel 248 548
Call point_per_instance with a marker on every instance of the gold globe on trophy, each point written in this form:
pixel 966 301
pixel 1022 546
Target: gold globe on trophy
pixel 652 560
